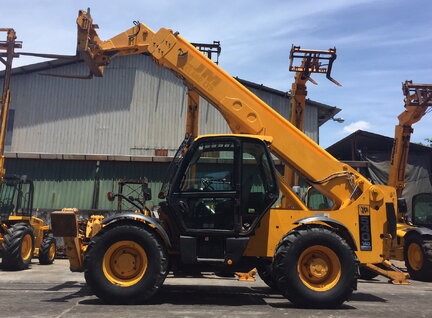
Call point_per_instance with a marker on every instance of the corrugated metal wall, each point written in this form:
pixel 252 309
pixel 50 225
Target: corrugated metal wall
pixel 58 183
pixel 136 108
pixel 83 184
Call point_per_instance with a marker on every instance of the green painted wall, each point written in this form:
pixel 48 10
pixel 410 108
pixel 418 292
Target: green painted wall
pixel 83 184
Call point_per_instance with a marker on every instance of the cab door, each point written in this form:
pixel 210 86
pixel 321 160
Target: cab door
pixel 207 192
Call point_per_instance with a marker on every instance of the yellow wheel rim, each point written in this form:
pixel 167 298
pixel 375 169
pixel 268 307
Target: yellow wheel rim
pixel 52 251
pixel 26 247
pixel 415 256
pixel 319 268
pixel 124 263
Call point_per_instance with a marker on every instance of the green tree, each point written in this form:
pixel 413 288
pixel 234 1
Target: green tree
pixel 428 142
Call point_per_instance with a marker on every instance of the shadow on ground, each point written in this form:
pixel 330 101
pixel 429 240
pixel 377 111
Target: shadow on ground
pixel 225 296
pixel 82 292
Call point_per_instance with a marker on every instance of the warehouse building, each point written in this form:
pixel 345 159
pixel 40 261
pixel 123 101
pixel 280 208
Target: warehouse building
pixel 371 153
pixel 76 138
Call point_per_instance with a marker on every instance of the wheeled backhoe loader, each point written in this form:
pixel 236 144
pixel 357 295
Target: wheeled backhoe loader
pixel 22 236
pixel 217 211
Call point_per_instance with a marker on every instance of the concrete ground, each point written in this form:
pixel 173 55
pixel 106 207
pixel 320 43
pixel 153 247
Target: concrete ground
pixel 53 291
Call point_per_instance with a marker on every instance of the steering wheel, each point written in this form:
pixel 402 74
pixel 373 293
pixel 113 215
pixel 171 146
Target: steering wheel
pixel 207 184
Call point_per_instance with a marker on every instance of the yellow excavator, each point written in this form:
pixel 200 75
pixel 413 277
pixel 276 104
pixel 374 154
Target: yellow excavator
pixel 22 236
pixel 217 211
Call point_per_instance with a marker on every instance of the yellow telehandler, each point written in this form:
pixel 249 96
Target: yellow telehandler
pixel 414 237
pixel 22 235
pixel 217 211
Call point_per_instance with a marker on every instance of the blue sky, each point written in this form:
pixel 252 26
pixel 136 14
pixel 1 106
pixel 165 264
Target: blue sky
pixel 380 44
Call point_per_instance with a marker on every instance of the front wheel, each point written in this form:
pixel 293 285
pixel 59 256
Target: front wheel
pixel 47 250
pixel 265 272
pixel 418 257
pixel 314 267
pixel 18 247
pixel 125 263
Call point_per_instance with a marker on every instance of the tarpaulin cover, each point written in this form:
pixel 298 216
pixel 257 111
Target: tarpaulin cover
pixel 418 172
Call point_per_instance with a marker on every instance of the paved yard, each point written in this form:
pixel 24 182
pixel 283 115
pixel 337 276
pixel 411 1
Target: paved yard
pixel 53 291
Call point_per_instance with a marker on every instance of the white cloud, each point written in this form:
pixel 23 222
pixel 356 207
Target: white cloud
pixel 361 124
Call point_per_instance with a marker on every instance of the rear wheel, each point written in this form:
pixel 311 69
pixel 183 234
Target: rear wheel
pixel 125 264
pixel 18 247
pixel 47 250
pixel 418 257
pixel 367 274
pixel 314 267
pixel 265 273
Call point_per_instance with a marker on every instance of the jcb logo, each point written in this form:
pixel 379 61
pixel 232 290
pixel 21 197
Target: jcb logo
pixel 207 78
pixel 364 210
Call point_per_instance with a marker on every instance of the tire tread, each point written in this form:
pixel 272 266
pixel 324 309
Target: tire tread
pixel 11 257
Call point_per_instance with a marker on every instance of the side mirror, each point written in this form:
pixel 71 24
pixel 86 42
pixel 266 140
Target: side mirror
pixel 296 190
pixel 402 206
pixel 110 196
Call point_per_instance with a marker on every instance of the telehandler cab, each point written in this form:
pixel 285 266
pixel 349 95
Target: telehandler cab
pixel 217 214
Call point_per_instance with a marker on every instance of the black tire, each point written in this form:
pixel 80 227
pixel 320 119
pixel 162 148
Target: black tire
pixel 96 262
pixel 47 250
pixel 265 272
pixel 367 274
pixel 423 270
pixel 13 258
pixel 291 283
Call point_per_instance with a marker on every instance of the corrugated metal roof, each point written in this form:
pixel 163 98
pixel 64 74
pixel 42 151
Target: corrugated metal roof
pixel 347 147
